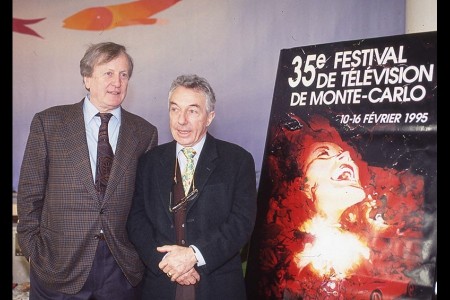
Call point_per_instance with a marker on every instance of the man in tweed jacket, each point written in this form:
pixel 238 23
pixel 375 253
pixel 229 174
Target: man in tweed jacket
pixel 77 243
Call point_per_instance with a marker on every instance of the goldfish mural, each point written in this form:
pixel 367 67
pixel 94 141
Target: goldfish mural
pixel 112 16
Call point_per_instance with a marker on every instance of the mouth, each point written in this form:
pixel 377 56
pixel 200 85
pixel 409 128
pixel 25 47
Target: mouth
pixel 345 172
pixel 183 132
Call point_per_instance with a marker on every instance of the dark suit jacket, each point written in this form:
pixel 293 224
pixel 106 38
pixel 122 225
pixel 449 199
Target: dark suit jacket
pixel 58 209
pixel 219 221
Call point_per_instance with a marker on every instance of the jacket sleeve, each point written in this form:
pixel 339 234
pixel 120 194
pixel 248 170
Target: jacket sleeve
pixel 31 188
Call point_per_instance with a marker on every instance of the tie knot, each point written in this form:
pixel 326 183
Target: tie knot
pixel 189 152
pixel 104 117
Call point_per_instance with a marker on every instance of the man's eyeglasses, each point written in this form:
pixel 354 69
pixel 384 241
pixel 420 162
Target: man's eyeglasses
pixel 189 197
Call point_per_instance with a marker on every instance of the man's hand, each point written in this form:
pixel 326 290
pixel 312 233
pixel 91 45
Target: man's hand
pixel 179 262
pixel 190 277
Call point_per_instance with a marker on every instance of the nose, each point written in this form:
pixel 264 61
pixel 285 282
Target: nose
pixel 116 81
pixel 182 118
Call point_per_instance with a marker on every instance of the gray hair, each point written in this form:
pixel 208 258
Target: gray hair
pixel 197 83
pixel 102 53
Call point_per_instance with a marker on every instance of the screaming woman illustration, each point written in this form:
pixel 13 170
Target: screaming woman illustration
pixel 335 227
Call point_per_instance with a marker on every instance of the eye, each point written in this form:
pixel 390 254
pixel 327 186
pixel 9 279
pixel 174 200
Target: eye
pixel 193 111
pixel 124 75
pixel 323 154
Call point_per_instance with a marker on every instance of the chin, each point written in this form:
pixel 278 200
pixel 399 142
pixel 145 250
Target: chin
pixel 185 142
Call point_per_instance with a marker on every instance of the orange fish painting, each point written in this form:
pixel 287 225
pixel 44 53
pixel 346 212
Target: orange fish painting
pixel 112 16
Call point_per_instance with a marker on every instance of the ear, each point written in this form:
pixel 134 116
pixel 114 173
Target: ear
pixel 211 116
pixel 87 82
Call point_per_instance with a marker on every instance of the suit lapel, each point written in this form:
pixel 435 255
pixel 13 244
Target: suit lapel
pixel 76 146
pixel 166 173
pixel 205 166
pixel 79 152
pixel 126 147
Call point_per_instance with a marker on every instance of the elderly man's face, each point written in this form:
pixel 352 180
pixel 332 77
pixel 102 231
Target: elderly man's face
pixel 189 119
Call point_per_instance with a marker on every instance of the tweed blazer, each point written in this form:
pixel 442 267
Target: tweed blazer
pixel 219 221
pixel 58 208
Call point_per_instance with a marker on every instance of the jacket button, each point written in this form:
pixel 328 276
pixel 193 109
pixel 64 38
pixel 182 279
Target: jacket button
pixel 99 236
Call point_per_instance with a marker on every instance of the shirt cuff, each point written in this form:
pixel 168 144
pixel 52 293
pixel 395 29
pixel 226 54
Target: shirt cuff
pixel 198 256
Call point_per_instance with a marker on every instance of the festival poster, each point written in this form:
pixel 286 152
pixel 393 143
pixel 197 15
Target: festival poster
pixel 347 200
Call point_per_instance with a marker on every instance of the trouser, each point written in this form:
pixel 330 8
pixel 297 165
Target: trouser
pixel 105 282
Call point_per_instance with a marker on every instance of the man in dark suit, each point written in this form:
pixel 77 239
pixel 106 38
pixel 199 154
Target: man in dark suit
pixel 190 238
pixel 74 233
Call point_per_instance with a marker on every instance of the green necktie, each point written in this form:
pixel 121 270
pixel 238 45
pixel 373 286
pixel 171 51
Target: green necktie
pixel 189 170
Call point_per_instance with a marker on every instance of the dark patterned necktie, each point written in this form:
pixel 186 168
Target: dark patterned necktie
pixel 105 156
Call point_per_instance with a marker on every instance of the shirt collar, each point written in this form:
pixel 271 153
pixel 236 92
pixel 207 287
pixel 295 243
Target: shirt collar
pixel 90 110
pixel 197 147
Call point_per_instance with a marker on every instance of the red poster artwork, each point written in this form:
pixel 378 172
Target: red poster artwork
pixel 347 209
